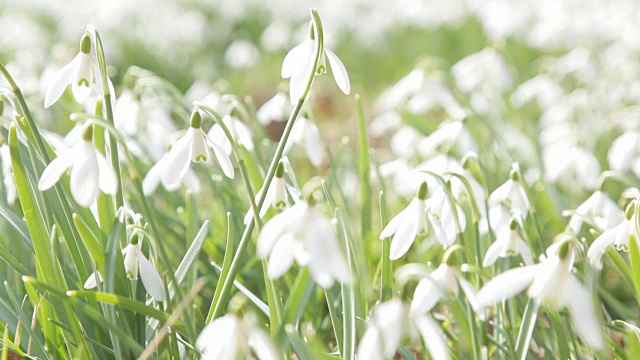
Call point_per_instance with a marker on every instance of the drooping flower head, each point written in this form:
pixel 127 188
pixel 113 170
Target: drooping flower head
pixel 230 337
pixel 620 236
pixel 300 63
pixel 276 196
pixel 508 243
pixel 90 171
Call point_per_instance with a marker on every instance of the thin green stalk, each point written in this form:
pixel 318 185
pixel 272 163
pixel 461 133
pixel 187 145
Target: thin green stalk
pixel 526 329
pixel 387 269
pixel 221 296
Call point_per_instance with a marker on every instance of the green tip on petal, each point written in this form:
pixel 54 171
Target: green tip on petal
pixel 280 170
pixel 84 82
pixel 423 190
pixel 631 209
pixel 514 175
pixel 196 120
pixel 563 251
pixel 514 224
pixel 87 133
pixel 85 44
pixel 134 239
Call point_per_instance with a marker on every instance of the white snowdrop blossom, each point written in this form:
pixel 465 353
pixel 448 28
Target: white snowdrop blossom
pixel 155 177
pixel 444 282
pixel 390 323
pixel 136 263
pixel 90 171
pixel 306 132
pixel 302 233
pixel 276 196
pixel 508 243
pixel 507 197
pixel 623 153
pixel 192 147
pixel 409 223
pixel 446 224
pixel 239 131
pixel 81 73
pixel 598 210
pixel 299 65
pixel 550 283
pixel 230 338
pixel 619 235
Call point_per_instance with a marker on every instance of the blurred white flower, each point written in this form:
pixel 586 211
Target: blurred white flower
pixel 551 283
pixel 241 54
pixel 230 338
pixel 619 235
pixel 275 109
pixel 90 171
pixel 7 174
pixel 508 243
pixel 239 131
pixel 444 282
pixel 136 263
pixel 390 323
pixel 81 73
pixel 299 65
pixel 507 198
pixel 623 153
pixel 598 210
pixel 276 195
pixel 306 132
pixel 302 233
pixel 192 147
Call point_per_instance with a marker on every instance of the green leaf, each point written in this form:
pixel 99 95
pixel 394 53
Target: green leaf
pixel 18 225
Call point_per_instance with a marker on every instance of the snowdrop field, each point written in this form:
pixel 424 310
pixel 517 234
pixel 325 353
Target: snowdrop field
pixel 320 180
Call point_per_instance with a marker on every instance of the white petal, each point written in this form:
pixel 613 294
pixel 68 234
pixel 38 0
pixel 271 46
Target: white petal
pixel 83 79
pixel 276 227
pixel 370 347
pixel 262 345
pixel 395 223
pixel 294 58
pixel 432 337
pixel 56 168
pixel 85 175
pixel 339 71
pixel 216 134
pixel 300 78
pixel 150 278
pixel 506 285
pixel 217 336
pixel 223 160
pixel 152 179
pixel 425 297
pixel 313 144
pixel 600 244
pixel 130 253
pixel 244 135
pixel 281 257
pixel 60 82
pixel 472 297
pixel 91 281
pixel 179 159
pixel 199 150
pixel 525 252
pixel 583 313
pixel 403 238
pixel 492 253
pixel 327 260
pixel 108 180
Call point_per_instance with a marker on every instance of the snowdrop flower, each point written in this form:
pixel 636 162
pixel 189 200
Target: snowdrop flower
pixel 239 131
pixel 390 323
pixel 442 283
pixel 7 173
pixel 508 243
pixel 623 153
pixel 155 177
pixel 230 338
pixel 409 223
pixel 444 221
pixel 276 195
pixel 275 109
pixel 302 233
pixel 511 194
pixel 306 132
pixel 550 283
pixel 598 210
pixel 192 147
pixel 90 171
pixel 80 73
pixel 299 65
pixel 136 263
pixel 620 236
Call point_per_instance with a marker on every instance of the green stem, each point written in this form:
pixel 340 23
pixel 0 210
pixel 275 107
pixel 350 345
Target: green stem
pixel 526 329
